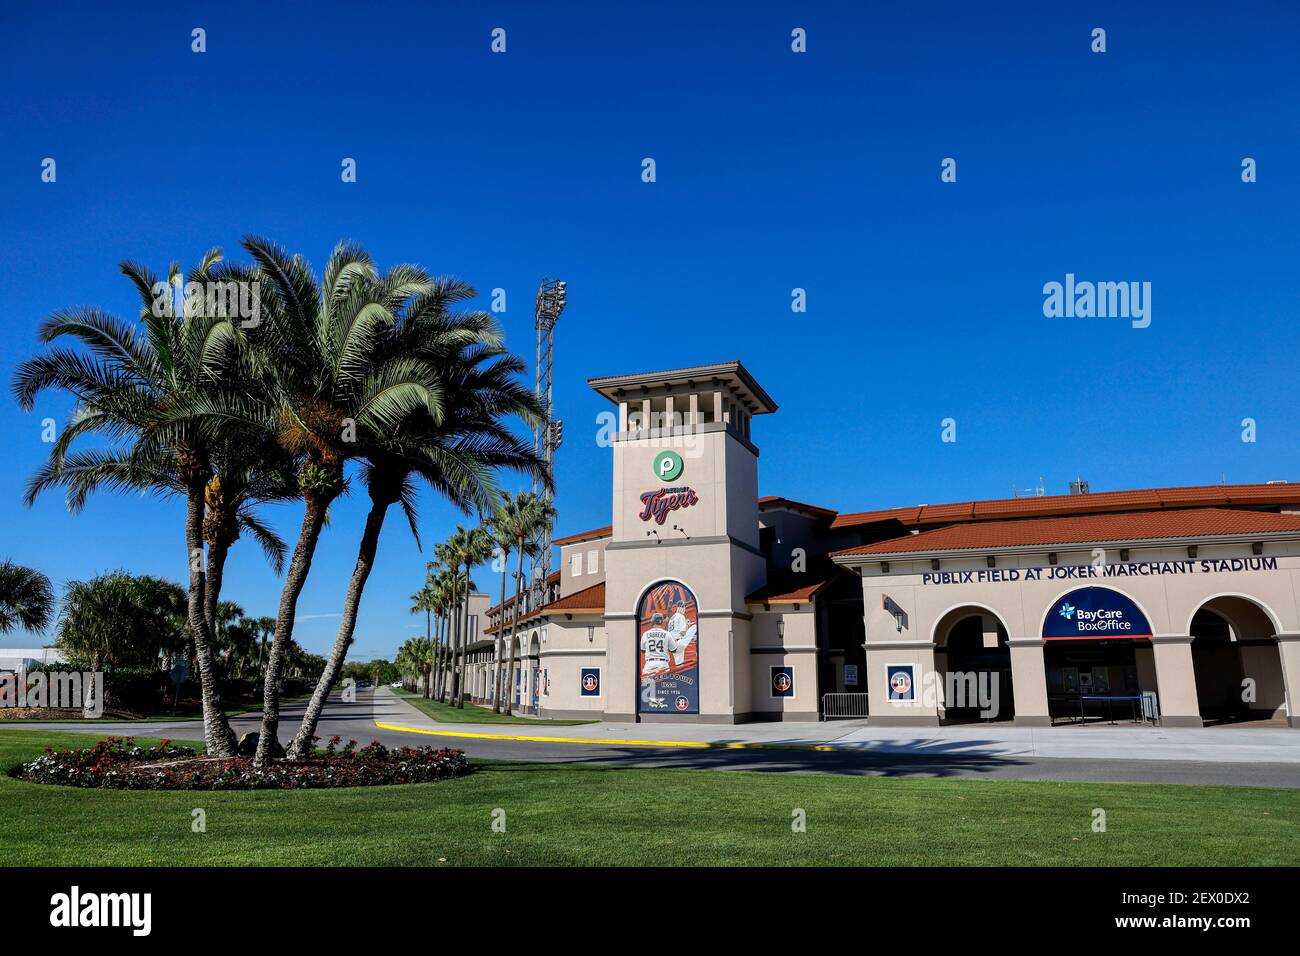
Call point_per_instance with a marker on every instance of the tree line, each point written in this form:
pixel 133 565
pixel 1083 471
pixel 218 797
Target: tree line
pixel 517 525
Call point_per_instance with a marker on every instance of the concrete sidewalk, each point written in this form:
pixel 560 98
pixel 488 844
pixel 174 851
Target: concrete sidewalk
pixel 1213 745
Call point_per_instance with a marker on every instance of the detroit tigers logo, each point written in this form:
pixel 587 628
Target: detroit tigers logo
pixel 683 703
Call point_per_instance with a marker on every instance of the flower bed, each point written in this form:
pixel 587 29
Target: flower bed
pixel 117 763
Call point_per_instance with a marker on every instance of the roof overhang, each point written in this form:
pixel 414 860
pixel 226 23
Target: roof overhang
pixel 849 559
pixel 733 375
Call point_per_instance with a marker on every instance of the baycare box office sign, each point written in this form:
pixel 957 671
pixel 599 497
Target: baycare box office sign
pixel 1094 614
pixel 668 626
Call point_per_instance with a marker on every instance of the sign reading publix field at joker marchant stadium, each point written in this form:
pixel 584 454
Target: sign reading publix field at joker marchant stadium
pixel 1094 613
pixel 1129 569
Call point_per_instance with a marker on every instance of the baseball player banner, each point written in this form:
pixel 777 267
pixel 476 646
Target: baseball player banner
pixel 668 626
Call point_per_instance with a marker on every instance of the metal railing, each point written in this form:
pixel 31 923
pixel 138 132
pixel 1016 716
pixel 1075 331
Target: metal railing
pixel 835 706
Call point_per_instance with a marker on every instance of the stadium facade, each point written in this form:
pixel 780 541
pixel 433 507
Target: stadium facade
pixel 703 601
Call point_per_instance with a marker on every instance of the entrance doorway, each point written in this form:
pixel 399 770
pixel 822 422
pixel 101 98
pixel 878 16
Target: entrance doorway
pixel 973 660
pixel 1093 680
pixel 1237 662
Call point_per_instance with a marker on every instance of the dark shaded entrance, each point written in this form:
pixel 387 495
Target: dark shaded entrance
pixel 970 664
pixel 1093 680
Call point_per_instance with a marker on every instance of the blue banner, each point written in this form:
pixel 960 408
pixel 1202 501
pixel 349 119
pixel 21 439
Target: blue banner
pixel 1094 614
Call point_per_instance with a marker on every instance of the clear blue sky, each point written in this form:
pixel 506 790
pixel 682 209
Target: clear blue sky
pixel 775 171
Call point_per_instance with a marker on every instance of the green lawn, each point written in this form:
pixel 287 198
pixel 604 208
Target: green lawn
pixel 562 815
pixel 474 714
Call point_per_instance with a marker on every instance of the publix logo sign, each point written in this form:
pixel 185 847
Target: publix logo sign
pixel 668 465
pixel 1093 614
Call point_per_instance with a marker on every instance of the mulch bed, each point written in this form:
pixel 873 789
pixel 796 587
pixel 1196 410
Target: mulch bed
pixel 116 763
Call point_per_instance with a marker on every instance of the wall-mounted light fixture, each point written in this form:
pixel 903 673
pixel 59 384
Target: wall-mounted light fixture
pixel 591 633
pixel 1257 547
pixel 1051 557
pixel 652 531
pixel 1191 550
pixel 884 567
pixel 1123 554
pixel 780 627
pixel 991 561
pixel 683 531
pixel 934 564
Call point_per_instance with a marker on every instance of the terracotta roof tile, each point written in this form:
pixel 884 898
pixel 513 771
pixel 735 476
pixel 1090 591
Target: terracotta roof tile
pixel 788 587
pixel 592 535
pixel 1080 529
pixel 1257 495
pixel 773 501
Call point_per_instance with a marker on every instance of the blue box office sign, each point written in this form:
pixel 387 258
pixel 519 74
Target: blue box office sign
pixel 1094 614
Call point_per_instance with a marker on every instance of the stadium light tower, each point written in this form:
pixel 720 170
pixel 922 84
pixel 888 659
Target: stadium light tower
pixel 549 432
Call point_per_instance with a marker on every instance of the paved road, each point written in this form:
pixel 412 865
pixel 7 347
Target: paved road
pixel 931 758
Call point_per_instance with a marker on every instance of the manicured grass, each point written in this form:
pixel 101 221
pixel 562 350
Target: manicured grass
pixel 474 714
pixel 565 815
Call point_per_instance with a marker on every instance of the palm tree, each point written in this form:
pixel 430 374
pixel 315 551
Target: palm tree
pixel 455 445
pixel 450 586
pixel 163 396
pixel 536 514
pixel 442 591
pixel 467 547
pixel 26 598
pixel 120 620
pixel 423 600
pixel 341 378
pixel 508 525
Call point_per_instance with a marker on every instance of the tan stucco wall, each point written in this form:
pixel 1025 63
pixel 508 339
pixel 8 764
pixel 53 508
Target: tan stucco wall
pixel 798 649
pixel 1168 600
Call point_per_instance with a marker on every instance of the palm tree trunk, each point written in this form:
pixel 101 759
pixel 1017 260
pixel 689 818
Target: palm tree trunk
pixel 440 660
pixel 217 734
pixel 312 520
pixel 464 640
pixel 500 645
pixel 301 745
pixel 454 657
pixel 218 551
pixel 514 628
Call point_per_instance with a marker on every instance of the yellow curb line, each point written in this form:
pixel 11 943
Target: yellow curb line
pixel 606 740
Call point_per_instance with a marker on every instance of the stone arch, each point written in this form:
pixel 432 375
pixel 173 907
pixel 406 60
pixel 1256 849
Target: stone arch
pixel 1236 659
pixel 972 661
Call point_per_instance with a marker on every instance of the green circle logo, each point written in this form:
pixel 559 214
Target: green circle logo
pixel 668 465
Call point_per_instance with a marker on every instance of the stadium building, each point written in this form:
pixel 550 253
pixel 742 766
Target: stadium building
pixel 703 601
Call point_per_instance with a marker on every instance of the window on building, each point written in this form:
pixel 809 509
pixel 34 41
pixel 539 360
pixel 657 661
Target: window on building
pixel 575 564
pixel 593 562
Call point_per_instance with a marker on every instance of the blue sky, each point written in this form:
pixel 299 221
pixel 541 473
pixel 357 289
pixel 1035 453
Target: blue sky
pixel 774 171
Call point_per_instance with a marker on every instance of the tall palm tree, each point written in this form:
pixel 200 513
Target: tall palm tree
pixel 423 600
pixel 450 585
pixel 456 446
pixel 161 395
pixel 536 516
pixel 467 547
pixel 507 525
pixel 26 598
pixel 343 372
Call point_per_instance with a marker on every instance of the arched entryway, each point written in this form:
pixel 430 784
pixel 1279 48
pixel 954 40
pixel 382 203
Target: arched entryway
pixel 972 661
pixel 1236 660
